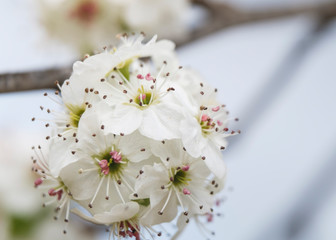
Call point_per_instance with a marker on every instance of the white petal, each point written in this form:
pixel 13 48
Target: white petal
pixel 135 146
pixel 123 119
pixel 90 124
pixel 172 149
pixel 152 178
pixel 152 217
pixel 120 212
pixel 60 155
pixel 181 225
pixel 82 186
pixel 214 160
pixel 192 137
pixel 161 121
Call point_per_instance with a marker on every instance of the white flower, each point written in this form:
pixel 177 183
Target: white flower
pixel 56 192
pixel 179 180
pixel 204 133
pixel 17 195
pixel 204 136
pixel 145 102
pixel 105 167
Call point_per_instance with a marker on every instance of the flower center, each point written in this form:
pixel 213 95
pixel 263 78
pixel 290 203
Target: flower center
pixel 127 229
pixel 58 191
pixel 75 114
pixel 112 162
pixel 144 98
pixel 206 122
pixel 181 177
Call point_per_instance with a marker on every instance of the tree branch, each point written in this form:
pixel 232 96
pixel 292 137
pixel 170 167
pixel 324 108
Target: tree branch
pixel 12 82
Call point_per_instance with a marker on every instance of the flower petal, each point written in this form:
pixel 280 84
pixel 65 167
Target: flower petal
pixel 123 119
pixel 214 161
pixel 161 121
pixel 119 212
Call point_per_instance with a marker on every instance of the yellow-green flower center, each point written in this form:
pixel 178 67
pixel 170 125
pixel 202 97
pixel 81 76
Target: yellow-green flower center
pixel 181 178
pixel 75 113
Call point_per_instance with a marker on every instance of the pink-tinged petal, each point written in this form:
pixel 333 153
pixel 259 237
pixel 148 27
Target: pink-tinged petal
pixel 219 123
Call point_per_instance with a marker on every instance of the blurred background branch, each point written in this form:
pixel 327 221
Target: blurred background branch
pixel 221 16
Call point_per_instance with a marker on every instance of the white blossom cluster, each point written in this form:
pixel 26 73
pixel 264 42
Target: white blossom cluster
pixel 87 25
pixel 138 140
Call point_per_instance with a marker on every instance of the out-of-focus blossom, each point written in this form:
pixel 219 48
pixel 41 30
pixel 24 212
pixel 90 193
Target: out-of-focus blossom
pixel 22 216
pixel 89 25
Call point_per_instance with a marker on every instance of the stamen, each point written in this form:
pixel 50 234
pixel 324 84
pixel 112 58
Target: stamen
pixel 126 183
pixel 149 77
pixel 107 189
pixel 95 195
pixel 186 191
pixel 38 182
pixel 204 118
pixel 81 170
pixel 67 212
pixel 116 156
pixel 180 201
pixel 118 190
pixel 167 200
pixel 185 168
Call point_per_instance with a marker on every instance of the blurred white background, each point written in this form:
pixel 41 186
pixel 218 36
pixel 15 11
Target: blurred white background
pixel 278 77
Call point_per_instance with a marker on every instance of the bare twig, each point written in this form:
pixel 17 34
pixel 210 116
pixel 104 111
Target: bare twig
pixel 11 82
pixel 221 16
